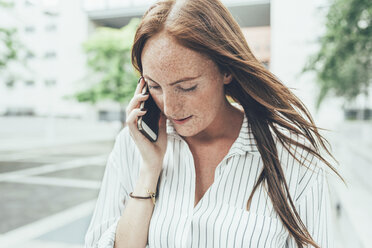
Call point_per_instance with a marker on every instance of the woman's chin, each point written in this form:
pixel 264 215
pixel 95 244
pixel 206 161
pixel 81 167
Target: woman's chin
pixel 184 131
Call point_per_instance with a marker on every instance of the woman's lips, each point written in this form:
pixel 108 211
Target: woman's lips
pixel 182 121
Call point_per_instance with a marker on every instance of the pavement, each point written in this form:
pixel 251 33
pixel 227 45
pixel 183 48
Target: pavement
pixel 49 179
pixel 51 170
pixel 352 203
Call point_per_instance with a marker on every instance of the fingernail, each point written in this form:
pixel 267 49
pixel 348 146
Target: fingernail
pixel 145 94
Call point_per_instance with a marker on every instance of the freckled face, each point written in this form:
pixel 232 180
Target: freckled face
pixel 201 96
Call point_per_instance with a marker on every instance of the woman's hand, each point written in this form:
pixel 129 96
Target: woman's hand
pixel 152 152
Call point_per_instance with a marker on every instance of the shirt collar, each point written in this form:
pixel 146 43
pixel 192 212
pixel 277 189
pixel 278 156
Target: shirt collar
pixel 244 143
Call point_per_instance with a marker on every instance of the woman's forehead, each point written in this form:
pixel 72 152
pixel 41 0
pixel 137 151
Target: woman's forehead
pixel 164 53
pixel 167 49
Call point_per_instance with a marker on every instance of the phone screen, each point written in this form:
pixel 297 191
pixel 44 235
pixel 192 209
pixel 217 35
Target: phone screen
pixel 151 118
pixel 148 124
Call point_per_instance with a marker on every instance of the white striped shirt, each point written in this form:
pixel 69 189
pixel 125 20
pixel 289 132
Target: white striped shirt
pixel 220 218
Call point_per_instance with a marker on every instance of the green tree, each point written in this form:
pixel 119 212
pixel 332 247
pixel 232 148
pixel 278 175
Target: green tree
pixel 10 47
pixel 112 74
pixel 343 63
pixel 7 41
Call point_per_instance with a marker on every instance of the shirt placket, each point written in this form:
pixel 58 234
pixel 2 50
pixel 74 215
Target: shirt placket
pixel 218 173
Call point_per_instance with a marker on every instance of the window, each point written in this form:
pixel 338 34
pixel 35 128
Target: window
pixel 50 55
pixel 30 55
pixel 29 83
pixel 28 3
pixel 51 28
pixel 30 29
pixel 50 82
pixel 10 83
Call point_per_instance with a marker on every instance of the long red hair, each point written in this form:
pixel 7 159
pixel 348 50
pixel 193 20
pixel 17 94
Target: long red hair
pixel 208 27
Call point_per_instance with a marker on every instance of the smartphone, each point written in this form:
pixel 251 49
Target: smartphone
pixel 148 124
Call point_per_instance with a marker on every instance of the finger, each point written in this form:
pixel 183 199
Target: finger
pixel 140 86
pixel 132 124
pixel 133 117
pixel 136 101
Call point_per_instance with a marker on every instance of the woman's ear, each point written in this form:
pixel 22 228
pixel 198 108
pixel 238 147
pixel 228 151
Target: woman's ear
pixel 227 78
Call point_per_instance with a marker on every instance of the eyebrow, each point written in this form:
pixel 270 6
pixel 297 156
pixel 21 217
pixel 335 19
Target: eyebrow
pixel 176 82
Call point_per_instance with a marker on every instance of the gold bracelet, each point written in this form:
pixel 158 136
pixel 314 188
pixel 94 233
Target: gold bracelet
pixel 152 196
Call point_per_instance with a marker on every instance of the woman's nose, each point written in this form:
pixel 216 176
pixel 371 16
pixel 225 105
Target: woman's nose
pixel 171 106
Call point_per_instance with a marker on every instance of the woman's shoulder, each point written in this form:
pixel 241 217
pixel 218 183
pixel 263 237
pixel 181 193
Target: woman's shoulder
pixel 124 139
pixel 123 133
pixel 124 147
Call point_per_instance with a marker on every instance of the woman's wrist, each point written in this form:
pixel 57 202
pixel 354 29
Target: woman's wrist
pixel 147 181
pixel 151 169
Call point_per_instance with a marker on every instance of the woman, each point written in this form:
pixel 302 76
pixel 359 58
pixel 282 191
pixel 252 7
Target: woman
pixel 224 175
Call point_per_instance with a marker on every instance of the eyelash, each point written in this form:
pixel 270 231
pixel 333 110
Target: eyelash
pixel 185 90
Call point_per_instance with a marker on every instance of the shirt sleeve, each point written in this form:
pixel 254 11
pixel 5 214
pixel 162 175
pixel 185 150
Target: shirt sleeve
pixel 111 200
pixel 315 212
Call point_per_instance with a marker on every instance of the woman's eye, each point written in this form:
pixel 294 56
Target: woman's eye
pixel 153 87
pixel 185 90
pixel 189 89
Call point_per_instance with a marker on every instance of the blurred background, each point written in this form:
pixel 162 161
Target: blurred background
pixel 66 77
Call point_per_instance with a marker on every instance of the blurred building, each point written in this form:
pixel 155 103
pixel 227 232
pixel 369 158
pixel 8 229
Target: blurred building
pixel 53 30
pixel 252 15
pixel 295 27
